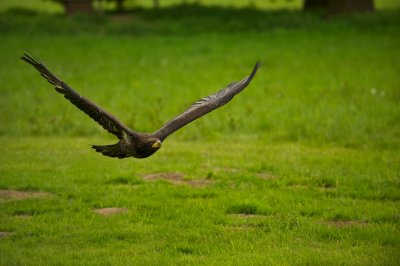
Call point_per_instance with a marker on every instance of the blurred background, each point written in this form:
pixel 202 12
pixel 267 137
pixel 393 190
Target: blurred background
pixel 62 6
pixel 330 70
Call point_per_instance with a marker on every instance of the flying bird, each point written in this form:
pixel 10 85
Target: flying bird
pixel 132 143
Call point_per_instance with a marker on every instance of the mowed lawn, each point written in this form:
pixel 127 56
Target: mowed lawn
pixel 303 167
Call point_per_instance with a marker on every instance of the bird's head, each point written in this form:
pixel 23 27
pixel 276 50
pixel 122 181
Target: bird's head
pixel 155 143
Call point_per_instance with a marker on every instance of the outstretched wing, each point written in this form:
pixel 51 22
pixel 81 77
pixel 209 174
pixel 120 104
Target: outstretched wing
pixel 106 120
pixel 204 106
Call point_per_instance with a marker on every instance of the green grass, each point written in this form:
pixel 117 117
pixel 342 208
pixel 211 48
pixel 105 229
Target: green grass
pixel 335 83
pixel 317 206
pixel 301 168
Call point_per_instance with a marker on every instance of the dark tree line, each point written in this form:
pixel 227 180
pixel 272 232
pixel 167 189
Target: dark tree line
pixel 339 6
pixel 328 6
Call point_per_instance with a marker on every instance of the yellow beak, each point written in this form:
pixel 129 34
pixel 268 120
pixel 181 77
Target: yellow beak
pixel 157 144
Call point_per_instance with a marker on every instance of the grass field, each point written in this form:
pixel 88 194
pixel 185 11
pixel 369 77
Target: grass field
pixel 253 203
pixel 303 167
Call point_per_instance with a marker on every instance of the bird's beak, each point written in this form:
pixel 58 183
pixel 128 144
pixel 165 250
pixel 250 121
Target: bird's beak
pixel 156 144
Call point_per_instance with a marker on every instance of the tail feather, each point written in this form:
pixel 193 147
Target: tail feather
pixel 110 150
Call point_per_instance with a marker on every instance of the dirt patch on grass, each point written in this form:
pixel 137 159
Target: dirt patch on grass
pixel 341 224
pixel 267 176
pixel 327 188
pixel 245 215
pixel 24 216
pixel 6 194
pixel 4 234
pixel 177 179
pixel 110 211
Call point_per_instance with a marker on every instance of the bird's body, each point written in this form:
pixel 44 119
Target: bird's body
pixel 132 143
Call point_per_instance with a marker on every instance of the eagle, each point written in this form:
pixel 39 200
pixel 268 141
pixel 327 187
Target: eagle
pixel 132 143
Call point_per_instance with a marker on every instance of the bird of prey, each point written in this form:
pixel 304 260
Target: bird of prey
pixel 132 143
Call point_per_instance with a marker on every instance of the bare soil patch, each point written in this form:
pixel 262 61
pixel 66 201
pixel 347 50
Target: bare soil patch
pixel 177 179
pixel 267 176
pixel 327 188
pixel 6 194
pixel 341 224
pixel 24 216
pixel 4 234
pixel 110 211
pixel 245 215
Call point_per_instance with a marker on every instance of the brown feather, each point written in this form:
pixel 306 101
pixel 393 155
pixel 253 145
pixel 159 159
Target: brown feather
pixel 106 120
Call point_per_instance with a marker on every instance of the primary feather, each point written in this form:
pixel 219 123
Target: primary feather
pixel 106 120
pixel 205 105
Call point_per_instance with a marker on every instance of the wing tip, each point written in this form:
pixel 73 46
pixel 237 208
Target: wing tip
pixel 253 72
pixel 256 67
pixel 29 58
